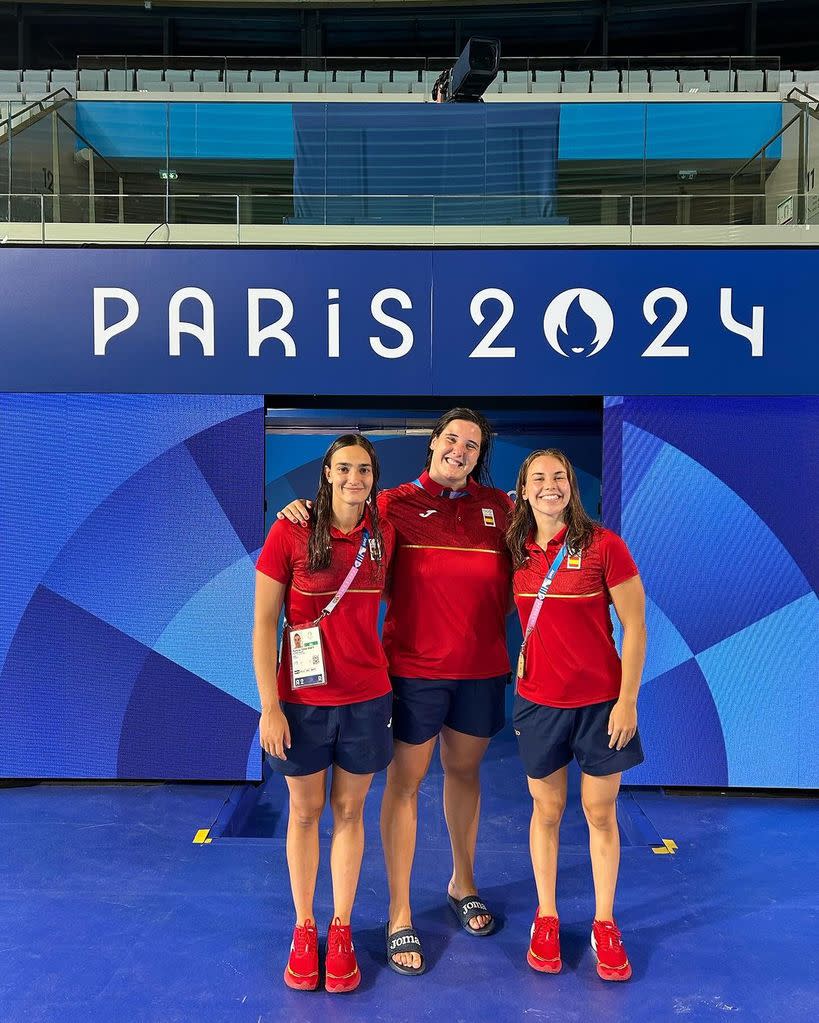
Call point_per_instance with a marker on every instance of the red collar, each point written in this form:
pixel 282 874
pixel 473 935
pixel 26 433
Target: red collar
pixel 556 540
pixel 431 487
pixel 355 534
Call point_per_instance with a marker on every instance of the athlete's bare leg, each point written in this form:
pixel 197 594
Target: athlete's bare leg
pixel 599 797
pixel 461 757
pixel 548 804
pixel 399 822
pixel 307 797
pixel 347 795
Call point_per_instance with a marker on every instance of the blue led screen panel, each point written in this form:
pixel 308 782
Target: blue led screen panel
pixel 129 527
pixel 718 500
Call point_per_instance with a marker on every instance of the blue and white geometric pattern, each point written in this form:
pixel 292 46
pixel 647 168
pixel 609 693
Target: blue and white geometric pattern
pixel 128 532
pixel 723 529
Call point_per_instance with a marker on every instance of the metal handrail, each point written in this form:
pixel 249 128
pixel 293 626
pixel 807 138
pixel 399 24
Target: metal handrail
pixel 35 103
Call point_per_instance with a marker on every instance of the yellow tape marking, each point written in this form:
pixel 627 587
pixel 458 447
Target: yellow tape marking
pixel 668 848
pixel 201 837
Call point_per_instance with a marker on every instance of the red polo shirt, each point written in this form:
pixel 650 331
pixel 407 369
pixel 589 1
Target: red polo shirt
pixel 353 656
pixel 571 660
pixel 450 581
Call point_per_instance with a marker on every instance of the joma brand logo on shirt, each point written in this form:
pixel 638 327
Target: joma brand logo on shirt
pixel 426 514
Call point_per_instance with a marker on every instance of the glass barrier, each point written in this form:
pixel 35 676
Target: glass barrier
pixel 159 218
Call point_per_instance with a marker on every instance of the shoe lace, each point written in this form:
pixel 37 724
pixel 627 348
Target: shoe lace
pixel 302 938
pixel 339 939
pixel 610 933
pixel 544 926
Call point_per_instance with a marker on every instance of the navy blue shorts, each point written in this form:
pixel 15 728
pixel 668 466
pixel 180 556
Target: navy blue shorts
pixel 356 736
pixel 549 737
pixel 422 706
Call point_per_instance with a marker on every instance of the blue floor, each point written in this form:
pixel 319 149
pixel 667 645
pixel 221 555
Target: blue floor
pixel 109 912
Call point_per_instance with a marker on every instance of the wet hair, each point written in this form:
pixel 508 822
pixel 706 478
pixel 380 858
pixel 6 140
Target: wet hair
pixel 318 544
pixel 480 474
pixel 580 527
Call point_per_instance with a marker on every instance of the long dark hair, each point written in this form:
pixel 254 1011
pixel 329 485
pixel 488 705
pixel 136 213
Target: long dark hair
pixel 318 544
pixel 480 474
pixel 580 527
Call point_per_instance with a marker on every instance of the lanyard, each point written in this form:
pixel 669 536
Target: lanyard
pixel 541 593
pixel 348 579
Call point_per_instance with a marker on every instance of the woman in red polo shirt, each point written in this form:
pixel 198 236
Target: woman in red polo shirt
pixel 575 698
pixel 445 639
pixel 329 701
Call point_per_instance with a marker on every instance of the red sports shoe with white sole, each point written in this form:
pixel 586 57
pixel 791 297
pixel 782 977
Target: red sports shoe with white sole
pixel 341 972
pixel 544 945
pixel 607 945
pixel 302 970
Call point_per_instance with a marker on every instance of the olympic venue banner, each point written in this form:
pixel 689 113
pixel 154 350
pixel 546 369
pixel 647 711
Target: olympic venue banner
pixel 509 322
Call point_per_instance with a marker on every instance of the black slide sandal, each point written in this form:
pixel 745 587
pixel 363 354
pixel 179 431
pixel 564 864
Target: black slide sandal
pixel 467 909
pixel 404 940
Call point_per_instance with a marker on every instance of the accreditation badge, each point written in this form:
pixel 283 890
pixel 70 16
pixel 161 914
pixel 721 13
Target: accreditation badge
pixel 488 516
pixel 574 559
pixel 306 657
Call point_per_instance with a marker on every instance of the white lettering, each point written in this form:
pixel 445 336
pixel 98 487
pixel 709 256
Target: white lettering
pixel 103 334
pixel 177 327
pixel 754 334
pixel 658 347
pixel 257 334
pixel 378 314
pixel 484 349
pixel 333 326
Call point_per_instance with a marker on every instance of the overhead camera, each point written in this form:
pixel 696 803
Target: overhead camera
pixel 471 75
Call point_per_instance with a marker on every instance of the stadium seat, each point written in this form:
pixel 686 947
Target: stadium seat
pixel 153 86
pixel 402 75
pixel 351 77
pixel 517 81
pixel 773 79
pixel 343 87
pixel 267 75
pixel 291 75
pixel 68 86
pixel 244 86
pixel 546 81
pixel 605 81
pixel 207 75
pixel 635 80
pixel 9 76
pixel 34 91
pixel 144 76
pixel 365 87
pixel 9 87
pixel 186 86
pixel 376 76
pixel 211 86
pixel 232 77
pixel 691 81
pixel 317 76
pixel 92 80
pixel 60 77
pixel 720 80
pixel 750 81
pixel 806 76
pixel 664 81
pixel 401 88
pixel 176 75
pixel 578 81
pixel 305 87
pixel 269 86
pixel 35 77
pixel 119 80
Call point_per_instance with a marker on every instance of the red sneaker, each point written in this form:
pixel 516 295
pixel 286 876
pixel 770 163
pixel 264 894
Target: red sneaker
pixel 544 945
pixel 302 967
pixel 612 961
pixel 341 971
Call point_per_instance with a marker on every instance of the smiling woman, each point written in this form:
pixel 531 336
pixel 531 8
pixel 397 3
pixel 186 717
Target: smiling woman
pixel 328 701
pixel 575 699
